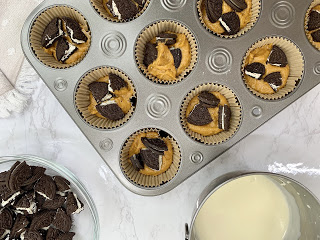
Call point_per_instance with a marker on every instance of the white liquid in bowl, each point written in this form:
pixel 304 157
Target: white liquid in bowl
pixel 249 208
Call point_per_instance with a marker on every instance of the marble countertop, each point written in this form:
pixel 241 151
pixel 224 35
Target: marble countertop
pixel 287 144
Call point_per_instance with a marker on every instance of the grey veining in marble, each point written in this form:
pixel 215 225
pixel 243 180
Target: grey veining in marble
pixel 288 144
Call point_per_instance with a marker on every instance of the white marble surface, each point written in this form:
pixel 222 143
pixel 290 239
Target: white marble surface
pixel 288 144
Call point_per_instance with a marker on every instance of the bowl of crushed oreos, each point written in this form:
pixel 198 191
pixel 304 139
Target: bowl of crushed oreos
pixel 40 199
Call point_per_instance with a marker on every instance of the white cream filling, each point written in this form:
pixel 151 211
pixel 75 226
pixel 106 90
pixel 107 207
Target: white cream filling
pixel 116 10
pixel 254 75
pixel 222 118
pixel 60 33
pixel 79 206
pixel 106 97
pixel 5 202
pixel 274 87
pixel 46 228
pixel 63 194
pixel 68 52
pixel 5 233
pixel 224 25
pixel 30 210
pixel 22 235
pixel 110 88
pixel 43 195
pixel 71 33
pixel 108 102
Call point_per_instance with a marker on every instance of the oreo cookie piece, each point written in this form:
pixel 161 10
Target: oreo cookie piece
pixel 314 20
pixel 199 116
pixel 63 185
pixel 150 54
pixel 208 99
pixel 74 31
pixel 213 9
pixel 6 218
pixel 152 159
pixel 19 227
pixel 167 38
pixel 18 175
pixel 40 200
pixel 52 32
pixel 62 221
pixel 64 50
pixel 73 204
pixel 56 203
pixel 255 70
pixel 3 177
pixel 37 173
pixel 230 22
pixel 116 82
pixel 155 144
pixel 277 57
pixel 124 9
pixel 177 56
pixel 316 36
pixel 46 187
pixel 137 162
pixel 8 197
pixel 237 5
pixel 99 91
pixel 110 110
pixel 27 204
pixel 4 233
pixel 224 116
pixel 52 234
pixel 42 220
pixel 33 235
pixel 66 236
pixel 275 80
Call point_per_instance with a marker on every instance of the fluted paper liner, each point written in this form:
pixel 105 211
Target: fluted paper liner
pixel 152 31
pixel 147 181
pixel 306 20
pixel 82 98
pixel 98 6
pixel 235 114
pixel 255 13
pixel 295 61
pixel 41 23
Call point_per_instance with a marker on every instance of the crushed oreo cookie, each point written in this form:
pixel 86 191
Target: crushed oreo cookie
pixel 316 36
pixel 52 32
pixel 32 215
pixel 150 54
pixel 314 20
pixel 277 57
pixel 199 116
pixel 74 31
pixel 116 82
pixel 155 144
pixel 99 91
pixel 275 80
pixel 177 56
pixel 208 99
pixel 237 5
pixel 230 22
pixel 152 159
pixel 137 162
pixel 64 50
pixel 167 38
pixel 110 110
pixel 123 9
pixel 213 9
pixel 224 117
pixel 255 70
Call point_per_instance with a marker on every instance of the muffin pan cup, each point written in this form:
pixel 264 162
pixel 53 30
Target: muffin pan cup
pixel 158 106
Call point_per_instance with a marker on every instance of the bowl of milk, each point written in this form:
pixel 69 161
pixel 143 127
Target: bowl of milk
pixel 255 206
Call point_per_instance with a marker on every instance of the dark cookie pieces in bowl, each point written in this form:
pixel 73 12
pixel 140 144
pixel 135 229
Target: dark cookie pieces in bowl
pixel 228 18
pixel 166 52
pixel 60 37
pixel 210 114
pixel 150 158
pixel 120 10
pixel 272 68
pixel 312 24
pixel 105 97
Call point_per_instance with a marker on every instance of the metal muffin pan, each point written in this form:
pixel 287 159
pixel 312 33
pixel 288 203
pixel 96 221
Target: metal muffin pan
pixel 158 106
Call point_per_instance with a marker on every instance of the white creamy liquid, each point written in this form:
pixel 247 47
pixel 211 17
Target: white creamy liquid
pixel 249 208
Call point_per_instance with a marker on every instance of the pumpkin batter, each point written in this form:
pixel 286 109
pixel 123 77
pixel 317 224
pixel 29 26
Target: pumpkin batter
pixel 82 48
pixel 167 158
pixel 245 16
pixel 316 44
pixel 122 98
pixel 163 67
pixel 213 127
pixel 261 55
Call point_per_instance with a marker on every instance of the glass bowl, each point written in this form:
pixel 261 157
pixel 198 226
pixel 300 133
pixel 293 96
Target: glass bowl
pixel 86 223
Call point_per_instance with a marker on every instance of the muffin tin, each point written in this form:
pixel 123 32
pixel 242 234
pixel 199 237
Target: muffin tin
pixel 158 105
